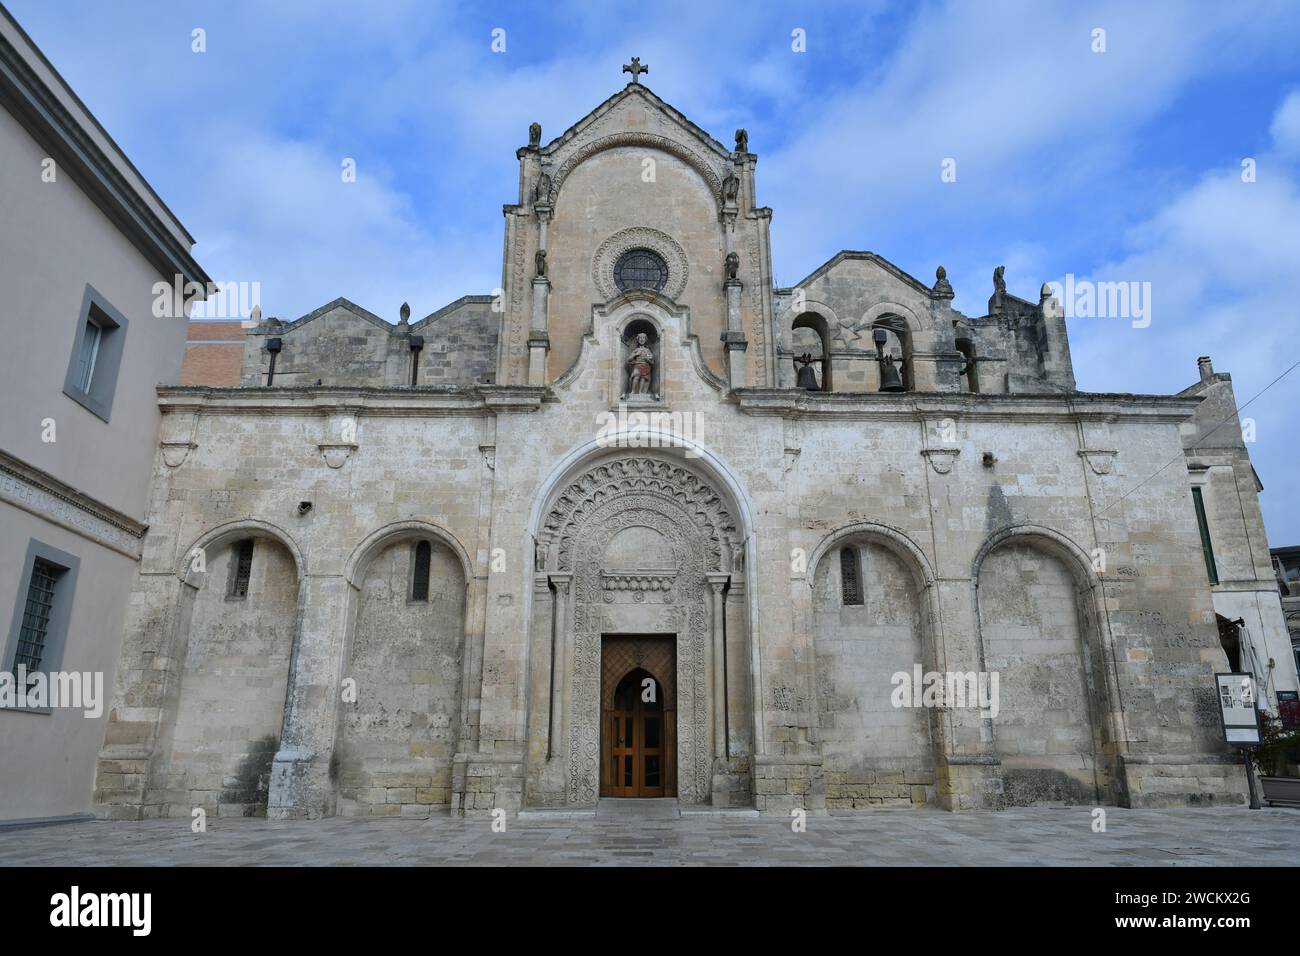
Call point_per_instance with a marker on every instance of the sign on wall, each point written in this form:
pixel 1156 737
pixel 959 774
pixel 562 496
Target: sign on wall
pixel 1237 708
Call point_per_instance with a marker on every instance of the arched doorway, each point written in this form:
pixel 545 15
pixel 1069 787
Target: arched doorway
pixel 635 549
pixel 638 725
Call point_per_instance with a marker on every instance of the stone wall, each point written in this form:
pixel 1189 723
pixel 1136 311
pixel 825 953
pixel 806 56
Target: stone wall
pixel 874 753
pixel 1029 625
pixel 231 696
pixel 396 742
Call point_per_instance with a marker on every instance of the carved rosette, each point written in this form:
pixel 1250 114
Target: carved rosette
pixel 640 237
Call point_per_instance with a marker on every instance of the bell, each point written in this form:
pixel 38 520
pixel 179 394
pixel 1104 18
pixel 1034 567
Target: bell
pixel 808 379
pixel 890 380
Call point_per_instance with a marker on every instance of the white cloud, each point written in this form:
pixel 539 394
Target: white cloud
pixel 1285 128
pixel 1221 260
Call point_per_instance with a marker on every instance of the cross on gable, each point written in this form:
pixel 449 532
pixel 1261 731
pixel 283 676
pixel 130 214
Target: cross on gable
pixel 635 68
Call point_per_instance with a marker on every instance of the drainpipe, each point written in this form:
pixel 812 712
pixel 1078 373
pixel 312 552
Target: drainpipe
pixel 273 346
pixel 416 342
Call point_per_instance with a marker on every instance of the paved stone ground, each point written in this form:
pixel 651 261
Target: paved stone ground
pixel 621 837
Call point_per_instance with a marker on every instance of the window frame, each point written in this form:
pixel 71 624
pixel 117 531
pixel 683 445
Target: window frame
pixel 56 634
pixel 623 260
pixel 236 556
pixel 428 579
pixel 851 556
pixel 1207 543
pixel 100 385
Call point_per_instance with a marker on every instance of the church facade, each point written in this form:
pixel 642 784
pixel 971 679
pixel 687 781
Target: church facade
pixel 639 524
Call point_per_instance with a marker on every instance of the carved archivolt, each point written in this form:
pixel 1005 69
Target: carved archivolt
pixel 640 237
pixel 671 596
pixel 675 483
pixel 685 614
pixel 650 140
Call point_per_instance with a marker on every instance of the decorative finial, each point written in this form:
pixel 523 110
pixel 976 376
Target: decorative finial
pixel 636 69
pixel 999 289
pixel 255 316
pixel 405 313
pixel 942 287
pixel 1048 304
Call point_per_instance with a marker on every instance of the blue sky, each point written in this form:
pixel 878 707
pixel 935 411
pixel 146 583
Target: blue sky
pixel 1123 165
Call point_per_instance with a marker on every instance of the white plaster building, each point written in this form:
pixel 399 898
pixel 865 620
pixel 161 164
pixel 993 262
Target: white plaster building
pixel 83 240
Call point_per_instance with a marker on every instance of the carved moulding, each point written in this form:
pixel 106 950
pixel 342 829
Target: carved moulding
pixel 648 140
pixel 336 453
pixel 941 459
pixel 640 237
pixel 1100 460
pixel 674 482
pixel 687 616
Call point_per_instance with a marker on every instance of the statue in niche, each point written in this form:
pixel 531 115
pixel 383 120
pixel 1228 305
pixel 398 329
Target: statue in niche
pixel 807 377
pixel 732 265
pixel 730 188
pixel 543 192
pixel 534 134
pixel 742 141
pixel 539 260
pixel 640 366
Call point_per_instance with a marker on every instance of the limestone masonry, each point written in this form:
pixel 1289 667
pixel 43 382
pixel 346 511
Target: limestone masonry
pixel 639 524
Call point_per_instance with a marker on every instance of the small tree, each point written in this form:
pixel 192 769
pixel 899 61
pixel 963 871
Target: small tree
pixel 1278 748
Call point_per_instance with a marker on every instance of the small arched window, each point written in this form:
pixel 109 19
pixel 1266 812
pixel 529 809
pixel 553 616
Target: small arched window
pixel 850 582
pixel 420 572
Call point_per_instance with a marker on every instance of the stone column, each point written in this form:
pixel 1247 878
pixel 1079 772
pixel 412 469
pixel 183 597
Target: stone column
pixel 734 337
pixel 539 340
pixel 717 581
pixel 739 717
pixel 561 663
pixel 300 784
pixel 541 643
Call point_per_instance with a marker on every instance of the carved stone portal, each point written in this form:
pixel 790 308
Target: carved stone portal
pixel 663 517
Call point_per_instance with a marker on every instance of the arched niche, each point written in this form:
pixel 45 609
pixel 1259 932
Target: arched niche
pixel 402 715
pixel 810 338
pixel 897 345
pixel 237 623
pixel 641 359
pixel 872 619
pixel 1042 631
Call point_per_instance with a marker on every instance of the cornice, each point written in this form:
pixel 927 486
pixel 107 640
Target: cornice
pixel 50 123
pixel 1061 406
pixel 392 401
pixel 40 493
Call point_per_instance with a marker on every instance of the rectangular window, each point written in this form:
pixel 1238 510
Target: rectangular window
pixel 420 571
pixel 850 584
pixel 35 628
pixel 241 569
pixel 1206 548
pixel 42 610
pixel 89 352
pixel 96 355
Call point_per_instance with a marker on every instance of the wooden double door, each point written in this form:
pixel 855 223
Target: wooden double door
pixel 638 732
